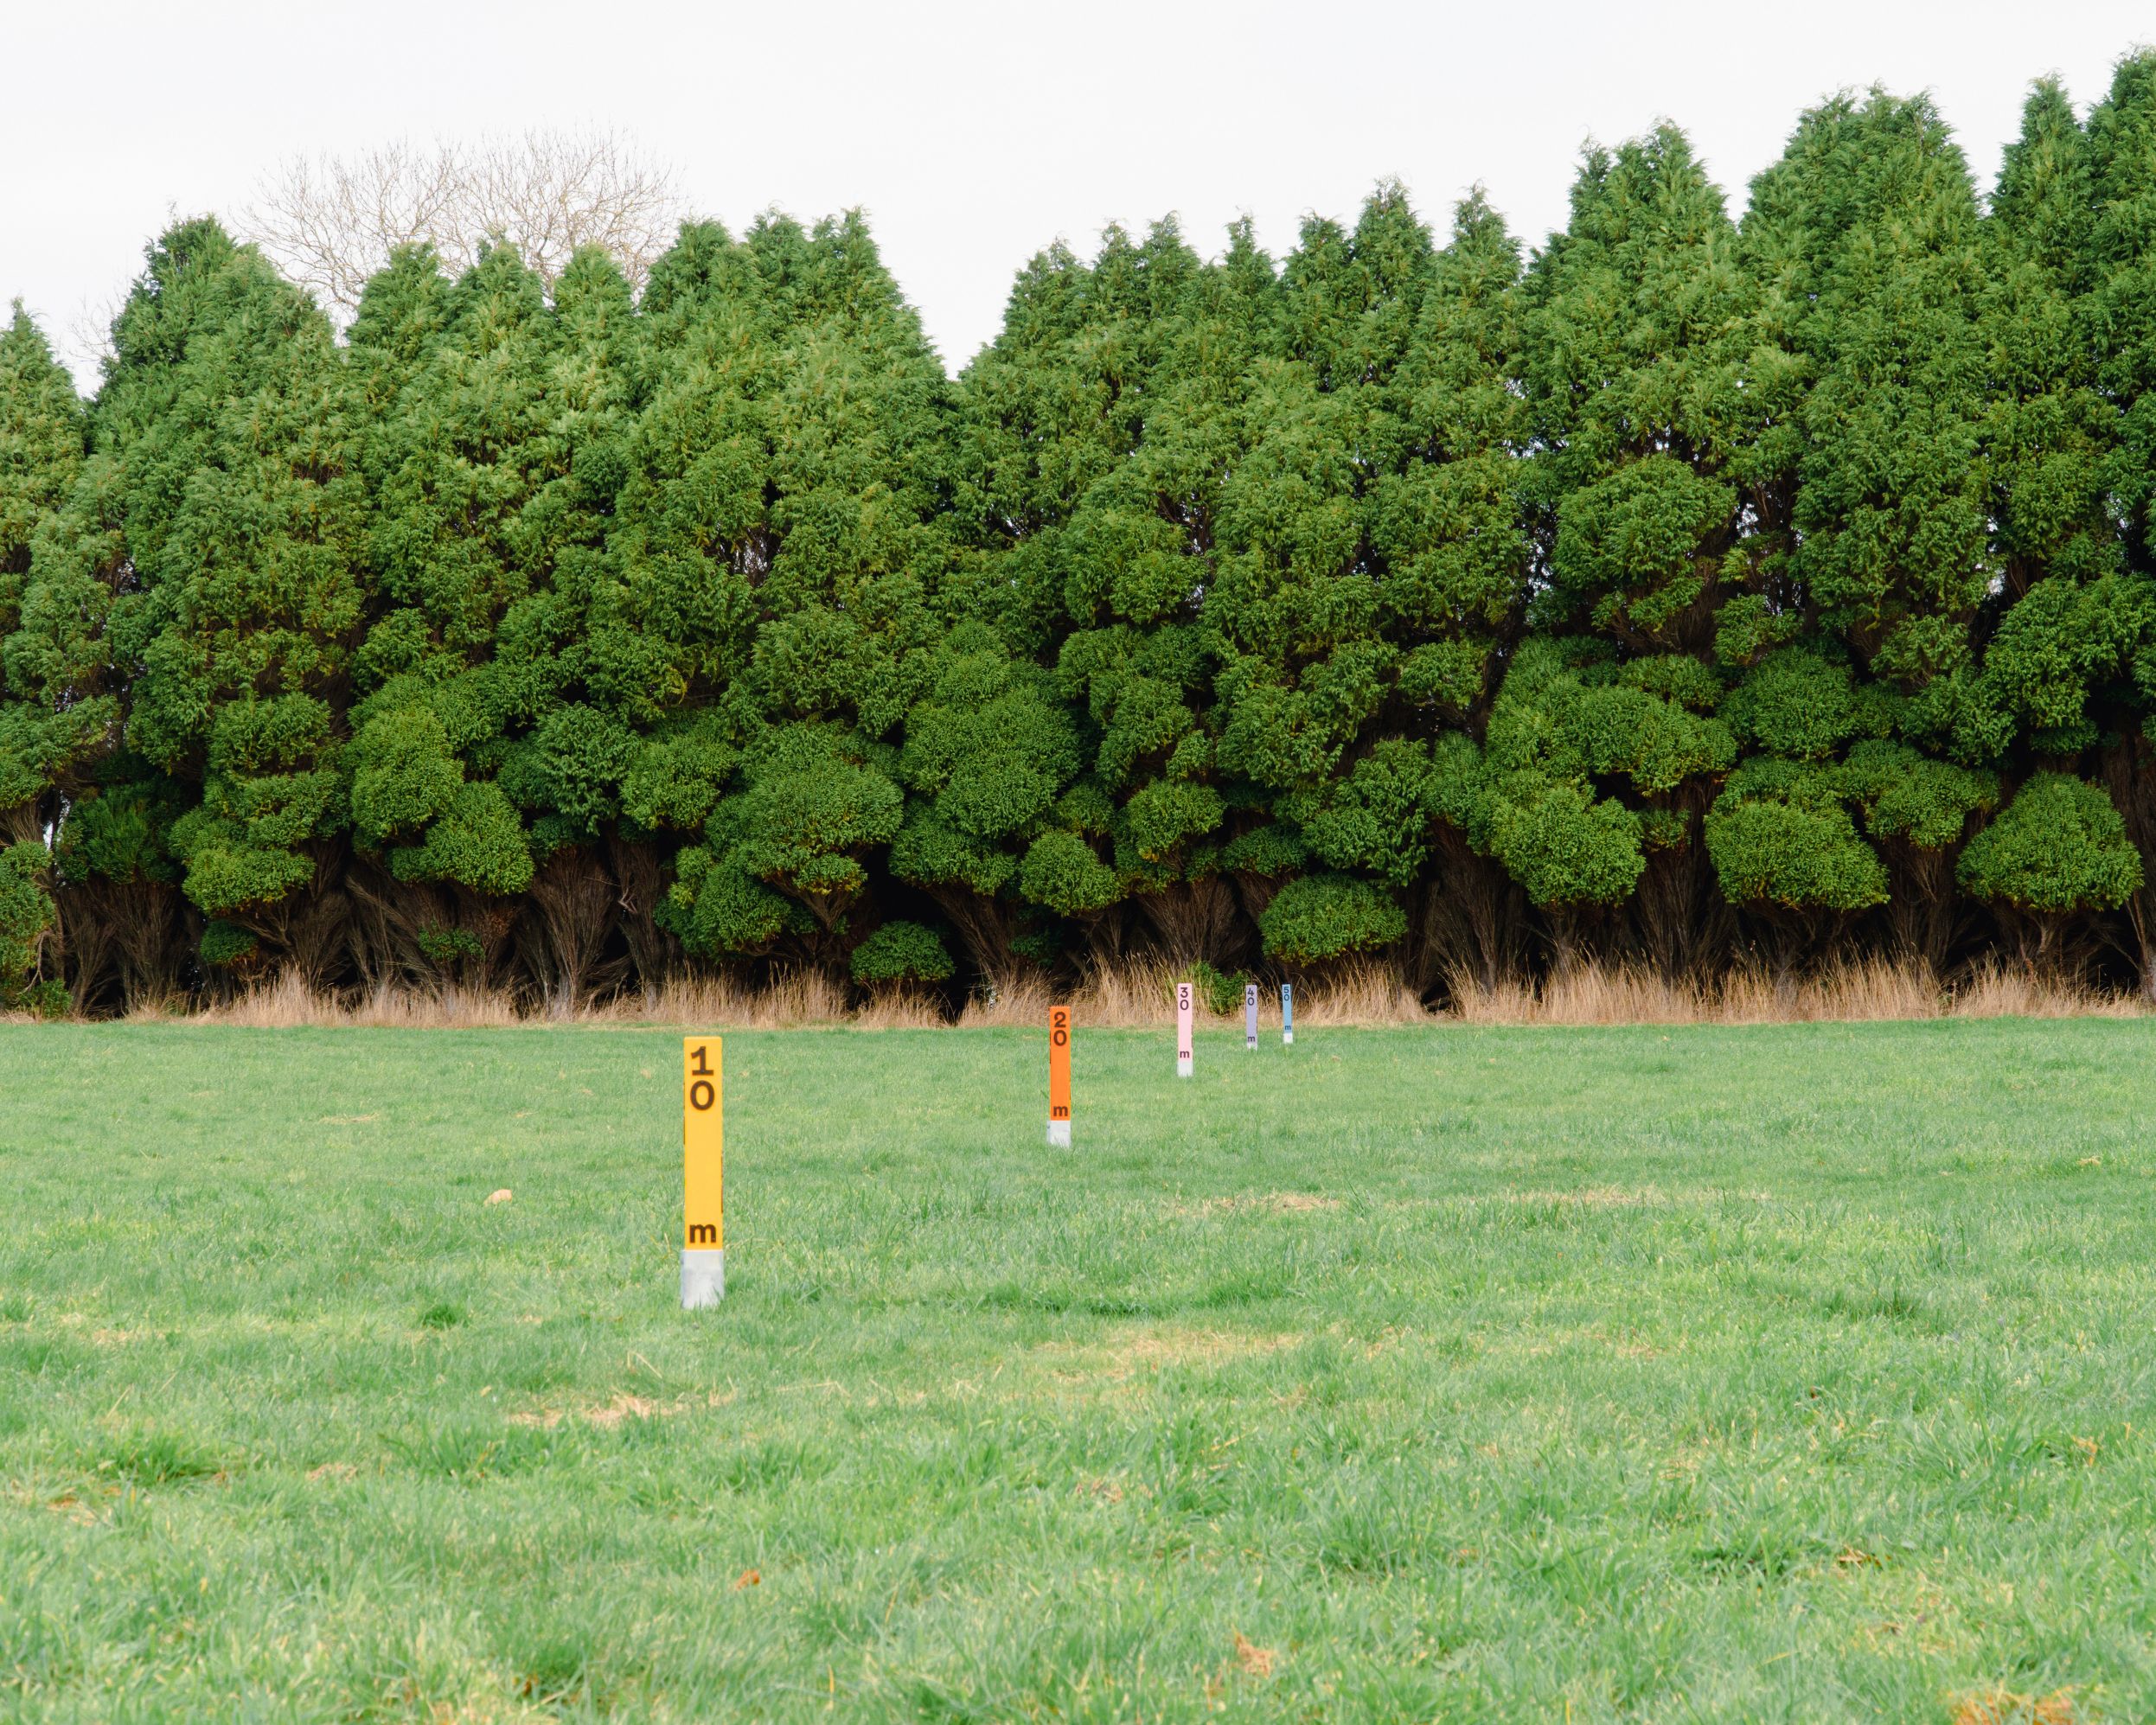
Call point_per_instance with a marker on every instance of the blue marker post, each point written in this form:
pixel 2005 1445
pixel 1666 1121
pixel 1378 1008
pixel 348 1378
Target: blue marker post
pixel 1249 1018
pixel 1287 1015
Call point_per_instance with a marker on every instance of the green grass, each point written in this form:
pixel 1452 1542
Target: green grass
pixel 1799 1373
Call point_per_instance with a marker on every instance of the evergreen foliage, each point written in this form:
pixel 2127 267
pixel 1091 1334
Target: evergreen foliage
pixel 1695 590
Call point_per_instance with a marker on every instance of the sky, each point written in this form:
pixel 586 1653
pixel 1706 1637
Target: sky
pixel 972 134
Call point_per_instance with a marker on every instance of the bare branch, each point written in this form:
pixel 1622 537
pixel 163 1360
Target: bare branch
pixel 330 221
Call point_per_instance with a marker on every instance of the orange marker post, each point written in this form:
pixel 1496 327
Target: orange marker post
pixel 703 1173
pixel 1185 1009
pixel 1059 1076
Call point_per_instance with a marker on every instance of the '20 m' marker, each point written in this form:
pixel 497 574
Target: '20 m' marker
pixel 703 1172
pixel 1184 1008
pixel 1059 1076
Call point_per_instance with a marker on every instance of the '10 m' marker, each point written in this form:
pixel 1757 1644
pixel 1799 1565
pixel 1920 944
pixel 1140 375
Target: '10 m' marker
pixel 703 1173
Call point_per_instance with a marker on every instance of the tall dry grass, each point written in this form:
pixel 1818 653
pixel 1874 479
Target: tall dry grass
pixel 1139 993
pixel 1865 989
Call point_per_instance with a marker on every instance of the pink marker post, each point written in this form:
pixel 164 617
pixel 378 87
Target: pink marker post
pixel 1185 1007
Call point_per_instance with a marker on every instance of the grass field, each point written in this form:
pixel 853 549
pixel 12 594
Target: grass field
pixel 1786 1373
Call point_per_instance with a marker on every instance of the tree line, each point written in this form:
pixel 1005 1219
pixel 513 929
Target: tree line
pixel 1696 590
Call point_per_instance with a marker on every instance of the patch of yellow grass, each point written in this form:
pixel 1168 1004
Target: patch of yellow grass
pixel 1128 1352
pixel 1279 1203
pixel 620 1406
pixel 1590 1198
pixel 2005 1706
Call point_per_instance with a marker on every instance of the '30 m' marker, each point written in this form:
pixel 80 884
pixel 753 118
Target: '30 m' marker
pixel 703 1172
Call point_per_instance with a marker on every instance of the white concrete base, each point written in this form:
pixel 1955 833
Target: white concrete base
pixel 703 1277
pixel 1060 1135
pixel 1183 1068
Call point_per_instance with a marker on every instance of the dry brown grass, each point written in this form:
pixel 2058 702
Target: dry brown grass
pixel 796 998
pixel 1868 989
pixel 2005 1706
pixel 1998 991
pixel 1133 1351
pixel 1139 993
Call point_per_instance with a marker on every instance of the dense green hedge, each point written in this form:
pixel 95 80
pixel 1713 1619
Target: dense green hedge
pixel 1693 590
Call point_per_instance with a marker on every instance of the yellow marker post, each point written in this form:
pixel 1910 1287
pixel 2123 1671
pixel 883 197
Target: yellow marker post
pixel 703 1169
pixel 1059 1076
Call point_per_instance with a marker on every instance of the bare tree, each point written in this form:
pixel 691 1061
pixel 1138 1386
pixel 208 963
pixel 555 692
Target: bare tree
pixel 330 221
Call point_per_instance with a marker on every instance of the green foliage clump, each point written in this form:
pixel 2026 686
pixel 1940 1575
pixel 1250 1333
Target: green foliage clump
pixel 1323 917
pixel 1222 990
pixel 227 945
pixel 2060 845
pixel 1779 836
pixel 26 915
pixel 900 952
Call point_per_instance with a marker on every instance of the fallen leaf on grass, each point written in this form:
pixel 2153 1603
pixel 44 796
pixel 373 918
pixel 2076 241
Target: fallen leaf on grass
pixel 347 1119
pixel 747 1578
pixel 2092 1161
pixel 1255 1661
pixel 331 1470
pixel 500 1195
pixel 2088 1447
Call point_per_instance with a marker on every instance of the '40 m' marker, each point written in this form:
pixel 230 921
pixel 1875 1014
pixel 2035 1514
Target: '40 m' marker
pixel 1184 1008
pixel 703 1173
pixel 1249 1018
pixel 1287 1015
pixel 1059 1076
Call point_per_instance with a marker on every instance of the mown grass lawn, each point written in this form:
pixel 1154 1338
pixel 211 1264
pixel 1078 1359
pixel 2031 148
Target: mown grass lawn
pixel 1790 1373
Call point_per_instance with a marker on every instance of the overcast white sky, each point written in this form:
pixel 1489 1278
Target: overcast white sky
pixel 972 133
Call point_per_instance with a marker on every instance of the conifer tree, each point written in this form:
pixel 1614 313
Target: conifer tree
pixel 1378 569
pixel 1865 239
pixel 492 722
pixel 41 456
pixel 1641 499
pixel 1096 434
pixel 2121 289
pixel 211 558
pixel 781 555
